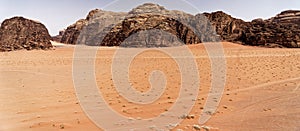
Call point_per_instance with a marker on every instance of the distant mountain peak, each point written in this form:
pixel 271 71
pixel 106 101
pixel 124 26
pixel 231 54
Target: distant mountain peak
pixel 148 8
pixel 92 13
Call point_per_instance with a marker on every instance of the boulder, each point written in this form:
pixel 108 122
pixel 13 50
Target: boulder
pixel 19 33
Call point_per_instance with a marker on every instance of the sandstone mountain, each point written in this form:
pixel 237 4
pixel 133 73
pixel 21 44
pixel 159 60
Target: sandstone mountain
pixel 283 30
pixel 112 28
pixel 148 23
pixel 19 33
pixel 157 37
pixel 229 28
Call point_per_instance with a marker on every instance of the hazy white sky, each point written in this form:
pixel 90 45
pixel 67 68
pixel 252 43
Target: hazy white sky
pixel 58 14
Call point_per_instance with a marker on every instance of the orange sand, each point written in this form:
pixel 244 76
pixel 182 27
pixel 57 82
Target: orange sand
pixel 37 92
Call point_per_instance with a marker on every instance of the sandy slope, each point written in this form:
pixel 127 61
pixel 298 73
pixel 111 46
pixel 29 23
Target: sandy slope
pixel 37 92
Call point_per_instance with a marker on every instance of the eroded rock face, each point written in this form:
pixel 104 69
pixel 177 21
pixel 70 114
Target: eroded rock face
pixel 95 20
pixel 272 33
pixel 158 23
pixel 229 28
pixel 280 31
pixel 289 16
pixel 149 8
pixel 112 28
pixel 71 34
pixel 19 33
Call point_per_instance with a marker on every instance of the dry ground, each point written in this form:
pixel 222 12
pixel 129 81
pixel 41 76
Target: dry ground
pixel 261 93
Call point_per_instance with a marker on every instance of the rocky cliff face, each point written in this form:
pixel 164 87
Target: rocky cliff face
pixel 71 34
pixel 19 33
pixel 272 34
pixel 280 31
pixel 112 28
pixel 283 30
pixel 158 24
pixel 229 28
pixel 95 21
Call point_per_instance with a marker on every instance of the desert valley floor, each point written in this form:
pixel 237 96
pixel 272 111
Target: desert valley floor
pixel 262 89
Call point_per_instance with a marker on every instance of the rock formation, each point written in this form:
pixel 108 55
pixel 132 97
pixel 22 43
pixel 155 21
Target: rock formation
pixel 58 37
pixel 112 28
pixel 19 33
pixel 289 16
pixel 71 34
pixel 282 30
pixel 229 28
pixel 156 23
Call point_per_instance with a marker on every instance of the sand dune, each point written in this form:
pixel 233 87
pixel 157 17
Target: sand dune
pixel 261 93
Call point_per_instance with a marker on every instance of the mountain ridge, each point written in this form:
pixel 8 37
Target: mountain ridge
pixel 281 30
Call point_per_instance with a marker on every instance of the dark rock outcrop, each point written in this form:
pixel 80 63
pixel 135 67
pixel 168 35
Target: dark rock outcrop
pixel 280 31
pixel 58 37
pixel 71 34
pixel 229 28
pixel 19 33
pixel 144 22
pixel 112 28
